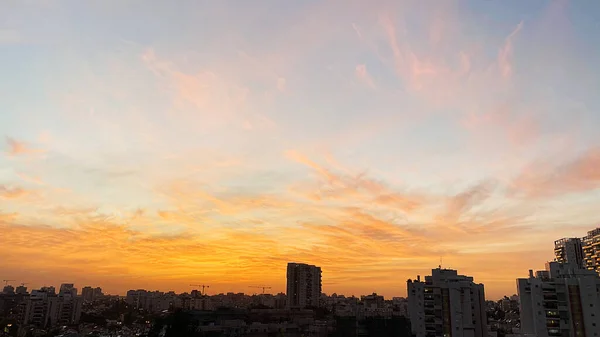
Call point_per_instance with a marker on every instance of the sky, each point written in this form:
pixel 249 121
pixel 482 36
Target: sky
pixel 157 144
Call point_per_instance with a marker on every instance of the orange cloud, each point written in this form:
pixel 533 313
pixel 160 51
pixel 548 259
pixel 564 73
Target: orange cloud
pixel 7 217
pixel 16 148
pixel 12 192
pixel 337 186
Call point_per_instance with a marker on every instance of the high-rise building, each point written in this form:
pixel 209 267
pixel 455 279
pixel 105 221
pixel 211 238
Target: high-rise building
pixel 90 294
pixel 446 304
pixel 569 250
pixel 68 288
pixel 44 308
pixel 303 285
pixel 591 250
pixel 87 294
pixel 49 290
pixel 41 309
pixel 97 293
pixel 563 300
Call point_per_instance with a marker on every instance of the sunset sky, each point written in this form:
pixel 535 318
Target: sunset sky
pixel 158 144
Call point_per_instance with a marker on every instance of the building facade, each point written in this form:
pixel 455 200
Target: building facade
pixel 303 285
pixel 90 294
pixel 591 250
pixel 563 300
pixel 43 308
pixel 447 304
pixel 569 250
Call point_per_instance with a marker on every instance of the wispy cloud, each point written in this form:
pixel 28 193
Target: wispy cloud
pixel 30 179
pixel 544 179
pixel 16 148
pixel 357 31
pixel 215 98
pixel 506 53
pixel 514 123
pixel 340 186
pixel 462 203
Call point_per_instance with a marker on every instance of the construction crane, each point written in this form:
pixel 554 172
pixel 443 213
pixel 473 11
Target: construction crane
pixel 6 281
pixel 200 286
pixel 261 287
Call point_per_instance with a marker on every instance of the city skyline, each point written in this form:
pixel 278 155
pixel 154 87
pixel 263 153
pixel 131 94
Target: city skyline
pixel 156 145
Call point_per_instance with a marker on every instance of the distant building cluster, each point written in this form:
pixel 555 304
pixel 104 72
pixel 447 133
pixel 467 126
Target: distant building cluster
pixel 41 308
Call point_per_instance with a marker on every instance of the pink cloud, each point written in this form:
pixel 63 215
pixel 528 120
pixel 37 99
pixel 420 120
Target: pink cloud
pixel 363 75
pixel 513 123
pixel 543 179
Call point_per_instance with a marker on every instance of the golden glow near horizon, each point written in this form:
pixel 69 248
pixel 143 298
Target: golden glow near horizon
pixel 157 146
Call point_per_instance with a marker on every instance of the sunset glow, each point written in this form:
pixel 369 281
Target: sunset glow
pixel 158 144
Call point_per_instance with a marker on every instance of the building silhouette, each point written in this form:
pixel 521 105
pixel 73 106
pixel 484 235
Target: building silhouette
pixel 563 300
pixel 90 294
pixel 446 304
pixel 303 285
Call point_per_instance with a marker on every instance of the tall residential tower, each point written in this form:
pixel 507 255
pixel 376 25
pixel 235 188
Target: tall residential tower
pixel 591 250
pixel 303 285
pixel 569 250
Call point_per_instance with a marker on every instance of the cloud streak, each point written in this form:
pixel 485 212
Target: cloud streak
pixel 506 53
pixel 16 148
pixel 7 192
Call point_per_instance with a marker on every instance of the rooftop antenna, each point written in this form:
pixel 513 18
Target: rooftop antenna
pixel 441 259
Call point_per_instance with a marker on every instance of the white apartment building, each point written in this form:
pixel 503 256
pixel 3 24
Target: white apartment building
pixel 563 300
pixel 303 285
pixel 446 305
